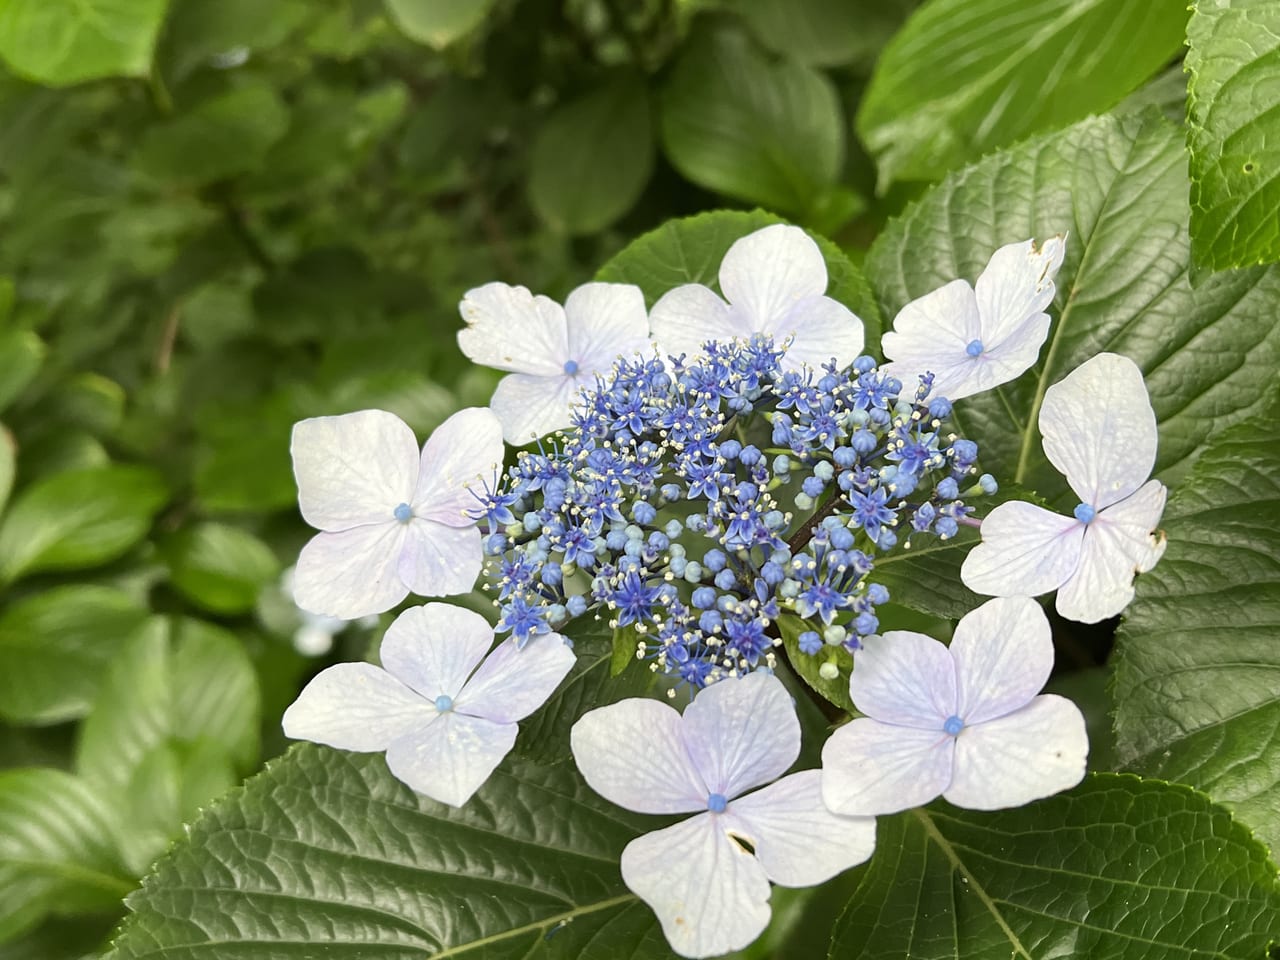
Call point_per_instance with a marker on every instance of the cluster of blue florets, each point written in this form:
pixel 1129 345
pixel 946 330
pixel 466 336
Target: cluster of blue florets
pixel 696 503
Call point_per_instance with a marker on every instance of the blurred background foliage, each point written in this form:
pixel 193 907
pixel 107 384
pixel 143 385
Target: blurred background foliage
pixel 220 216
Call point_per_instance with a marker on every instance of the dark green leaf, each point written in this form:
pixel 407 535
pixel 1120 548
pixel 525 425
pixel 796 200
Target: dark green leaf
pixel 197 31
pixel 737 122
pixel 1197 666
pixel 1233 128
pixel 21 354
pixel 220 567
pixel 965 76
pixel 55 647
pixel 592 157
pixel 325 854
pixel 836 689
pixel 438 23
pixel 8 465
pixel 61 42
pixel 78 519
pixel 1117 869
pixel 821 33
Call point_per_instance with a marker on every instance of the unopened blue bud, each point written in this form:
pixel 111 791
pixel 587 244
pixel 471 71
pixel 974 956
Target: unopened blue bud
pixel 940 408
pixel 810 642
pixel 988 484
pixel 643 512
pixel 750 456
pixel 714 560
pixel 726 579
pixel 704 598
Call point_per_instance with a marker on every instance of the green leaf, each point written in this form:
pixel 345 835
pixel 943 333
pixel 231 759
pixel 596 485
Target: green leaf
pixel 438 23
pixel 389 874
pixel 1233 131
pixel 21 355
pixel 183 682
pixel 61 42
pixel 220 567
pixel 836 689
pixel 592 157
pixel 821 33
pixel 737 122
pixel 79 518
pixel 1117 186
pixel 966 76
pixel 221 137
pixel 196 31
pixel 56 852
pixel 689 250
pixel 55 647
pixel 8 465
pixel 1197 667
pixel 1117 869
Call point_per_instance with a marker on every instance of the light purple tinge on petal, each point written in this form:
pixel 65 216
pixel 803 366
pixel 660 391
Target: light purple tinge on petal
pixel 452 758
pixel 1017 284
pixel 514 682
pixel 742 733
pixel 765 273
pixel 606 320
pixel 1099 429
pixel 508 328
pixel 871 768
pixel 533 406
pixel 434 648
pixel 1029 754
pixel 351 574
pixel 458 459
pixel 1121 541
pixel 356 706
pixel 354 469
pixel 904 678
pixel 1025 551
pixel 440 561
pixel 710 895
pixel 797 840
pixel 688 316
pixel 1003 652
pixel 632 753
pixel 818 329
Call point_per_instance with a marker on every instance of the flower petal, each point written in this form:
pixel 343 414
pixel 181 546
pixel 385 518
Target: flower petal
pixel 531 407
pixel 440 561
pixel 353 469
pixel 632 753
pixel 711 896
pixel 512 683
pixel 1117 544
pixel 939 324
pixel 1003 653
pixel 871 768
pixel 508 328
pixel 352 573
pixel 818 328
pixel 1025 551
pixel 606 320
pixel 742 733
pixel 688 316
pixel 1017 284
pixel 1010 358
pixel 1099 429
pixel 765 273
pixel 451 759
pixel 435 647
pixel 1029 754
pixel 904 678
pixel 797 840
pixel 459 457
pixel 355 706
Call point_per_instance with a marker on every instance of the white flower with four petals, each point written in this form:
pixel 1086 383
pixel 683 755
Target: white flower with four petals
pixel 392 519
pixel 444 712
pixel 775 281
pixel 707 878
pixel 975 338
pixel 962 721
pixel 1100 431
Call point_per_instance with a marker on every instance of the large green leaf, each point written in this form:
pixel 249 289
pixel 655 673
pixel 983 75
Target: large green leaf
pixel 765 131
pixel 1197 666
pixel 56 850
pixel 965 76
pixel 1233 130
pixel 689 250
pixel 78 519
pixel 61 42
pixel 822 33
pixel 1117 869
pixel 438 23
pixel 325 854
pixel 592 157
pixel 55 646
pixel 1117 187
pixel 21 354
pixel 220 567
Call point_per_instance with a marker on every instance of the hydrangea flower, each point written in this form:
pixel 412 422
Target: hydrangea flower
pixel 975 338
pixel 444 712
pixel 550 351
pixel 391 519
pixel 707 877
pixel 774 280
pixel 1100 431
pixel 963 721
